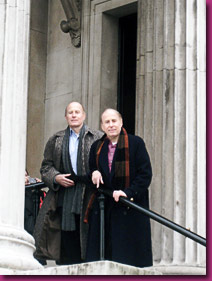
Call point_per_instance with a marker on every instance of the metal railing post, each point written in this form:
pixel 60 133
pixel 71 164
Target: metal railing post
pixel 101 200
pixel 36 200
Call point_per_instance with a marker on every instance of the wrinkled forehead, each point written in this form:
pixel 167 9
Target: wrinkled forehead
pixel 75 106
pixel 110 114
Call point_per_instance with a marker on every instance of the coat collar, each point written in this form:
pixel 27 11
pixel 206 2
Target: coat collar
pixel 87 130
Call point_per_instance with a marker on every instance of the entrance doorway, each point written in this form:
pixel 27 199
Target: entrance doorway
pixel 126 97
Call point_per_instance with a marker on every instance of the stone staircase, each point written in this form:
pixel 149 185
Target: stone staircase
pixel 108 268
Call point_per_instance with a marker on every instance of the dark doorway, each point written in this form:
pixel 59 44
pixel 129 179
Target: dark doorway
pixel 127 70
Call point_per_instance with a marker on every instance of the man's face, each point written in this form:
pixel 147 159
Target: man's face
pixel 75 115
pixel 111 124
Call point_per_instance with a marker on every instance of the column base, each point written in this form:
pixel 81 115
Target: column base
pixel 16 249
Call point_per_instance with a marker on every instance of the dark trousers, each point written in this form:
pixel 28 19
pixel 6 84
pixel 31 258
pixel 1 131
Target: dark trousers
pixel 70 246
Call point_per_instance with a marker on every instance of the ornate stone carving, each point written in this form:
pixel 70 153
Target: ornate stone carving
pixel 72 9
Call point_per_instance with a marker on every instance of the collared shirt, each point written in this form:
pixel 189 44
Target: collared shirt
pixel 73 148
pixel 111 151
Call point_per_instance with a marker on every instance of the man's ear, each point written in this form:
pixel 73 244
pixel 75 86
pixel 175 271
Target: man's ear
pixel 121 122
pixel 102 127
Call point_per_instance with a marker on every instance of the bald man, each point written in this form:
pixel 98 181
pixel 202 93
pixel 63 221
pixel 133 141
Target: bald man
pixel 60 232
pixel 120 162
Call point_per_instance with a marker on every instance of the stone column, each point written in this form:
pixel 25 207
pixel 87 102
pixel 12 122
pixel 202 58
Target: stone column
pixel 180 130
pixel 168 131
pixel 191 129
pixel 155 189
pixel 170 114
pixel 16 245
pixel 201 127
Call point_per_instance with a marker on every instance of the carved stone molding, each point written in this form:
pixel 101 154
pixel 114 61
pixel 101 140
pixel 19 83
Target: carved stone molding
pixel 72 9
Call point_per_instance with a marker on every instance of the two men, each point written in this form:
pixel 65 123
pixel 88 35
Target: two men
pixel 120 162
pixel 60 232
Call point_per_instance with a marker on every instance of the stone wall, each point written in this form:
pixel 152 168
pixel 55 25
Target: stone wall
pixel 37 86
pixel 63 76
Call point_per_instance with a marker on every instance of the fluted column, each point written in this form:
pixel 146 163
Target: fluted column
pixel 16 245
pixel 168 129
pixel 171 118
pixel 191 129
pixel 148 90
pixel 156 190
pixel 179 129
pixel 201 127
pixel 140 77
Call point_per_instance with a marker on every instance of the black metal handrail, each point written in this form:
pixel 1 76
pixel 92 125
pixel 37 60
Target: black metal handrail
pixel 162 220
pixel 35 186
pixel 176 227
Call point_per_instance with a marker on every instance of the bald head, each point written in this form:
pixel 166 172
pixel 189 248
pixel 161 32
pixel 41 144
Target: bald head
pixel 110 111
pixel 74 103
pixel 111 123
pixel 75 116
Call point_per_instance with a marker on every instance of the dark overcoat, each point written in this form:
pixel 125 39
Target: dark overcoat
pixel 129 231
pixel 47 231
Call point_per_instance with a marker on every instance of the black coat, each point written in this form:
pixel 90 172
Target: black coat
pixel 128 233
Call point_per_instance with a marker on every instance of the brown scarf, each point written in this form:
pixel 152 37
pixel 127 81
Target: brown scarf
pixel 122 167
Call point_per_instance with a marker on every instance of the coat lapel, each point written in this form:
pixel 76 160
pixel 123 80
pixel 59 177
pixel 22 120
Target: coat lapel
pixel 103 162
pixel 103 159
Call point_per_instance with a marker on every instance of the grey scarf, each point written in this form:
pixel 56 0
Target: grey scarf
pixel 73 195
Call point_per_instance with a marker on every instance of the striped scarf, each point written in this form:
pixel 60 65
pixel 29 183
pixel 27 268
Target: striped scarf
pixel 122 167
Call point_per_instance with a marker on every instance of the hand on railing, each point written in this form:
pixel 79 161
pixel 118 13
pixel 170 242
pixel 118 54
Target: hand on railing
pixel 35 186
pixel 117 194
pixel 30 180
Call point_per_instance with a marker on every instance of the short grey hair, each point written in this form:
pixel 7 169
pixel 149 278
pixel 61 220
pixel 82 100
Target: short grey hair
pixel 116 111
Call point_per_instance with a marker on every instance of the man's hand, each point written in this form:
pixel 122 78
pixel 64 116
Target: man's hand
pixel 97 178
pixel 62 180
pixel 117 194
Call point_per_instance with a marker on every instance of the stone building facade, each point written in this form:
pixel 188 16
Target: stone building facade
pixel 86 65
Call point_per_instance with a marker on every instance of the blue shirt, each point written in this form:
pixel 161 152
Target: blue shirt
pixel 73 148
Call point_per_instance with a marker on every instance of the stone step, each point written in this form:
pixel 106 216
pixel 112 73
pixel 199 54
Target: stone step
pixel 108 268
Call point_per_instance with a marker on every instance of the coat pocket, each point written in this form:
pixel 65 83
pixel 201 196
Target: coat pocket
pixel 47 230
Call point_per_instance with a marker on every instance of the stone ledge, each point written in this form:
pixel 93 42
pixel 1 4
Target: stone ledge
pixel 180 270
pixel 91 268
pixel 109 268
